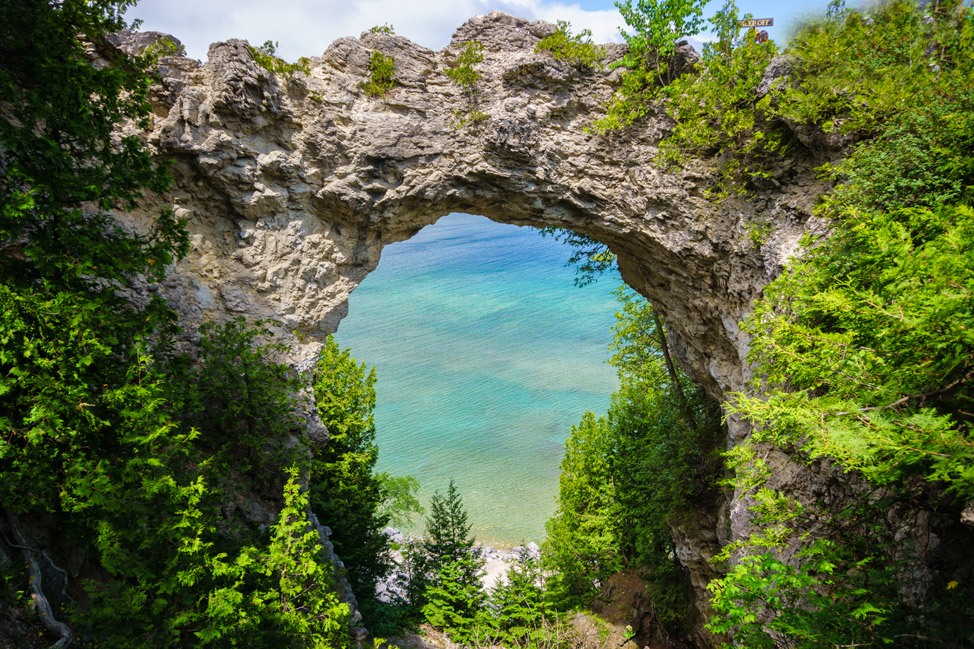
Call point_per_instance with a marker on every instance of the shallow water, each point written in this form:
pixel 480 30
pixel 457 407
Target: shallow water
pixel 486 355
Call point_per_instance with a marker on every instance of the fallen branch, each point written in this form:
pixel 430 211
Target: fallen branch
pixel 41 602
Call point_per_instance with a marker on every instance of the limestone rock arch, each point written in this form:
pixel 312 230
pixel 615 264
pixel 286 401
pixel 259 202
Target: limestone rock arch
pixel 291 187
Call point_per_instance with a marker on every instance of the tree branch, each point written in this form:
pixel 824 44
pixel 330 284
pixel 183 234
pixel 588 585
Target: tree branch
pixel 910 397
pixel 671 370
pixel 41 602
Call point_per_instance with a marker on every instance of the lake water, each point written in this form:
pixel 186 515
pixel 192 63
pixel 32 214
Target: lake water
pixel 486 355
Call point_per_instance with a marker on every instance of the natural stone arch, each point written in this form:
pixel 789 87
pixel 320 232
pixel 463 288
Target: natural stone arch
pixel 292 188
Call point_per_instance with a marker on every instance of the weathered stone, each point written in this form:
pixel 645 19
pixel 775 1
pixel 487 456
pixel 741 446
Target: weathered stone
pixel 292 187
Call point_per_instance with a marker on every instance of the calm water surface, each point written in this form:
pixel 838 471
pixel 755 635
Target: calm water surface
pixel 486 355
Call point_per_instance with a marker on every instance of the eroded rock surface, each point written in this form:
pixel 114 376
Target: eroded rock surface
pixel 291 188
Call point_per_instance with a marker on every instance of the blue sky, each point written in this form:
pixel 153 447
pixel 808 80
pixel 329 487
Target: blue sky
pixel 307 27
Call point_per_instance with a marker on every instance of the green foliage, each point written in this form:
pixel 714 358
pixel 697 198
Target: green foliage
pixel 876 355
pixel 266 57
pixel 763 600
pixel 577 49
pixel 161 486
pixel 63 165
pixel 69 341
pixel 140 458
pixel 581 544
pixel 278 593
pixel 518 613
pixel 462 118
pixel 382 74
pixel 164 46
pixel 656 27
pixel 447 530
pixel 343 486
pixel 862 349
pixel 858 69
pixel 239 398
pixel 450 593
pixel 884 304
pixel 384 28
pixel 852 76
pixel 300 608
pixel 815 578
pixel 590 258
pixel 463 73
pixel 399 501
pixel 627 476
pixel 454 597
pixel 716 111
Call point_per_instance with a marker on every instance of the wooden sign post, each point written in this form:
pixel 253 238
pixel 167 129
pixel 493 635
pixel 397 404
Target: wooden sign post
pixel 754 23
pixel 758 22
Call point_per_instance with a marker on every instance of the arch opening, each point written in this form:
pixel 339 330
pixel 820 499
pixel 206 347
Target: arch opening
pixel 486 354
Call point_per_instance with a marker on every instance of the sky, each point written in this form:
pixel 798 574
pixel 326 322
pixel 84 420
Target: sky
pixel 307 27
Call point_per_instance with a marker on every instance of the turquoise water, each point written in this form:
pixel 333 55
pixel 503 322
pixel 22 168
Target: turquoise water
pixel 486 355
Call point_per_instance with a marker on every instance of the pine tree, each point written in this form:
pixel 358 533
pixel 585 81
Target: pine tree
pixel 452 593
pixel 519 616
pixel 447 529
pixel 345 492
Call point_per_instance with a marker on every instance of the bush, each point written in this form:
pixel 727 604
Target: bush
pixel 656 27
pixel 577 49
pixel 382 74
pixel 266 57
pixel 463 73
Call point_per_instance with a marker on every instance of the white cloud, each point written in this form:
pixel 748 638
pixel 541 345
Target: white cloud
pixel 307 27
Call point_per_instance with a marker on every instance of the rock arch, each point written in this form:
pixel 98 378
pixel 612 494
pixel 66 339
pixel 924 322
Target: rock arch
pixel 292 187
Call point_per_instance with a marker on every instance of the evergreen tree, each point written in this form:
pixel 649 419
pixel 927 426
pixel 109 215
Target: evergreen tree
pixel 345 492
pixel 581 546
pixel 452 593
pixel 447 529
pixel 517 605
pixel 295 604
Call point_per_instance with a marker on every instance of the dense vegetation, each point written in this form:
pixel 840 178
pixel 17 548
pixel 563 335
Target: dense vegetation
pixel 171 469
pixel 631 474
pixel 440 584
pixel 862 349
pixel 172 481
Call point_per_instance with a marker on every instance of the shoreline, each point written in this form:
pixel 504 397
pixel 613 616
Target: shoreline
pixel 497 560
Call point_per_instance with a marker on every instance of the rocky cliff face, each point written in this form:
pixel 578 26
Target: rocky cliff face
pixel 291 188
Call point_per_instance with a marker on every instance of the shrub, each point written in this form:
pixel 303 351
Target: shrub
pixel 656 27
pixel 463 73
pixel 577 49
pixel 266 57
pixel 382 74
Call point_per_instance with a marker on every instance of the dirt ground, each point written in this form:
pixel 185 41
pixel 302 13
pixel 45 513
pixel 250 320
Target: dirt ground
pixel 20 629
pixel 623 602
